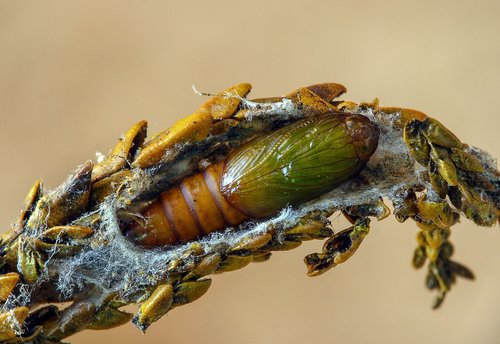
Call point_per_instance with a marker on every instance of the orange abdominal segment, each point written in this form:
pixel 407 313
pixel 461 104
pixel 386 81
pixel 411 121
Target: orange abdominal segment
pixel 232 216
pixel 178 212
pixel 201 203
pixel 157 229
pixel 194 208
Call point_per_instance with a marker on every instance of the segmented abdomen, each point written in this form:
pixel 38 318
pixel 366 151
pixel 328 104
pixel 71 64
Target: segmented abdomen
pixel 194 208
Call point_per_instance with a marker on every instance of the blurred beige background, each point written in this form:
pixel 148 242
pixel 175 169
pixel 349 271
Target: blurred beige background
pixel 74 75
